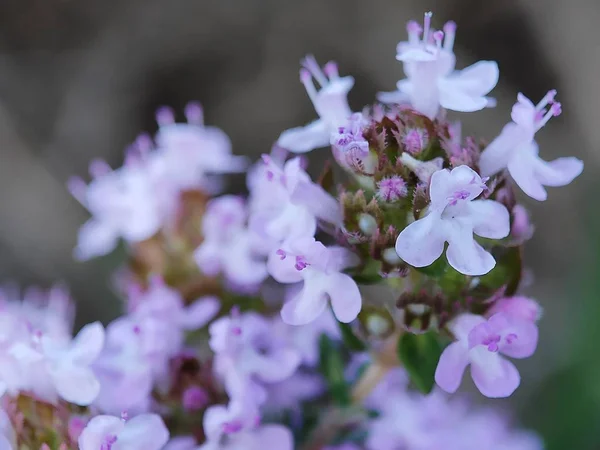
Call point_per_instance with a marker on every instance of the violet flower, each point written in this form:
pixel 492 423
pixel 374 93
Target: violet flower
pixel 453 217
pixel 320 268
pixel 480 343
pixel 516 150
pixel 143 432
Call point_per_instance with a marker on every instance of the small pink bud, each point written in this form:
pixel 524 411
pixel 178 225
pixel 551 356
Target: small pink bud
pixel 194 399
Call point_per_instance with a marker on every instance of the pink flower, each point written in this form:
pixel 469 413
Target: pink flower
pixel 330 102
pixel 229 247
pixel 285 203
pixel 190 151
pixel 143 432
pixel 516 150
pixel 454 216
pixel 431 79
pixel 480 343
pixel 320 268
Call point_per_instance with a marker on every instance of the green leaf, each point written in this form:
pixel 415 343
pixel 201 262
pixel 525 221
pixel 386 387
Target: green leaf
pixel 420 353
pixel 351 341
pixel 436 269
pixel 332 368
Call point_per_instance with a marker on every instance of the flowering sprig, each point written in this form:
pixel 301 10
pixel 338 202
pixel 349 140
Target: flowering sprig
pixel 249 319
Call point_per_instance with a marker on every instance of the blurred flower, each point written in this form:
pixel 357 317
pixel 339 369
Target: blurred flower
pixel 143 432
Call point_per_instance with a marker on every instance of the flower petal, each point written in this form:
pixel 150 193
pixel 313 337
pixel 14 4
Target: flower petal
pixel 282 268
pixel 143 432
pixel 317 201
pixel 494 376
pixel 522 166
pixel 274 437
pixel 422 242
pixel 75 384
pixel 88 343
pixel 559 172
pixel 200 313
pixel 92 436
pixel 498 153
pixel 305 139
pixel 95 239
pixel 346 300
pixel 451 367
pixel 490 219
pixel 466 255
pixel 306 306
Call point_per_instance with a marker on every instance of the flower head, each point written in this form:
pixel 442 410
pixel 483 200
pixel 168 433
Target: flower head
pixel 516 150
pixel 351 149
pixel 480 343
pixel 330 102
pixel 453 217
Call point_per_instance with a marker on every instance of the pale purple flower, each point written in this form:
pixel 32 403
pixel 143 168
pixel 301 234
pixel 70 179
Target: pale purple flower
pixel 285 203
pixel 289 394
pixel 143 432
pixel 521 229
pixel 238 427
pixel 518 306
pixel 229 247
pixel 424 170
pixel 194 398
pixel 55 368
pixel 320 268
pixel 8 437
pixel 350 149
pixel 343 447
pixel 454 216
pixel 516 150
pixel 432 80
pixel 247 351
pixel 480 343
pixel 123 203
pixel 330 102
pixel 189 151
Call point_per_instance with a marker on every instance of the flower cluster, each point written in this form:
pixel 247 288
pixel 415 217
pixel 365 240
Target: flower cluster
pixel 305 314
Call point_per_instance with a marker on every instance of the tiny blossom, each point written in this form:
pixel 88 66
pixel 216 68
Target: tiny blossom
pixel 285 203
pixel 229 247
pixel 330 102
pixel 521 229
pixel 432 80
pixel 516 150
pixel 479 343
pixel 238 427
pixel 123 204
pixel 350 148
pixel 320 268
pixel 247 351
pixel 391 189
pixel 453 217
pixel 143 432
pixel 415 140
pixel 190 151
pixel 181 443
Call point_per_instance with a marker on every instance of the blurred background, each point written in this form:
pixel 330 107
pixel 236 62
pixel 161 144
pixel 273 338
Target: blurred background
pixel 80 78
